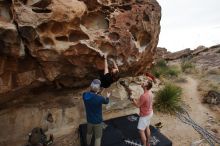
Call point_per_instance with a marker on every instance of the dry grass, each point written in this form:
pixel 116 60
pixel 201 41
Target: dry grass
pixel 214 71
pixel 187 66
pixel 181 80
pixel 209 80
pixel 207 85
pixel 162 69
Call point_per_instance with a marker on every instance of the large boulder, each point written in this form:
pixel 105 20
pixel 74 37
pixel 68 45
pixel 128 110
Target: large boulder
pixel 199 49
pixel 178 55
pixel 64 41
pixel 10 41
pixel 161 53
pixel 212 97
pixel 208 58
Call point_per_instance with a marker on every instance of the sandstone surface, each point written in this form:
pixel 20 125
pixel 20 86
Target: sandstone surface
pixel 64 41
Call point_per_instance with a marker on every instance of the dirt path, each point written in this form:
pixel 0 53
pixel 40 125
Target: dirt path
pixel 180 133
pixel 192 98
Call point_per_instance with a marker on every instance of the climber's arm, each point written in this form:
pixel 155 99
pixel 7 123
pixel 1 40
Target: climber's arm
pixel 115 65
pixel 106 65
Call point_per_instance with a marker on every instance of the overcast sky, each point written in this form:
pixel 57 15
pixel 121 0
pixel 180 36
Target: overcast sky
pixel 189 23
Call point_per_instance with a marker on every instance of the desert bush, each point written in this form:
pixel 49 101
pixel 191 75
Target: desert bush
pixel 159 68
pixel 186 65
pixel 162 69
pixel 172 71
pixel 156 72
pixel 213 86
pixel 161 63
pixel 159 71
pixel 168 99
pixel 181 80
pixel 214 71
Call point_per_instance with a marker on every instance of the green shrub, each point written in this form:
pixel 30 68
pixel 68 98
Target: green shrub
pixel 186 65
pixel 161 69
pixel 172 72
pixel 161 63
pixel 156 72
pixel 168 99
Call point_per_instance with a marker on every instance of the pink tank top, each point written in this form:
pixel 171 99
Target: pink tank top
pixel 146 101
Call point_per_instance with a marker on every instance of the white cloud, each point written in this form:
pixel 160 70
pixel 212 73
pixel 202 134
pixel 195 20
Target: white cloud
pixel 189 23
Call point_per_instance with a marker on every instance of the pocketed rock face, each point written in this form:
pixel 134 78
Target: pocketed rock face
pixel 65 40
pixel 10 42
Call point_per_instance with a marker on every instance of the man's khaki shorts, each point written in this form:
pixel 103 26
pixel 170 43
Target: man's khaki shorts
pixel 95 129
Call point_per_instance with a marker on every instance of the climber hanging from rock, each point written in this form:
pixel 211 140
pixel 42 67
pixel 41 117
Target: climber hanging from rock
pixel 109 76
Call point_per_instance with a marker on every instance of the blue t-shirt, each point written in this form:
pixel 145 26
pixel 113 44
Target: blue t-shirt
pixel 93 104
